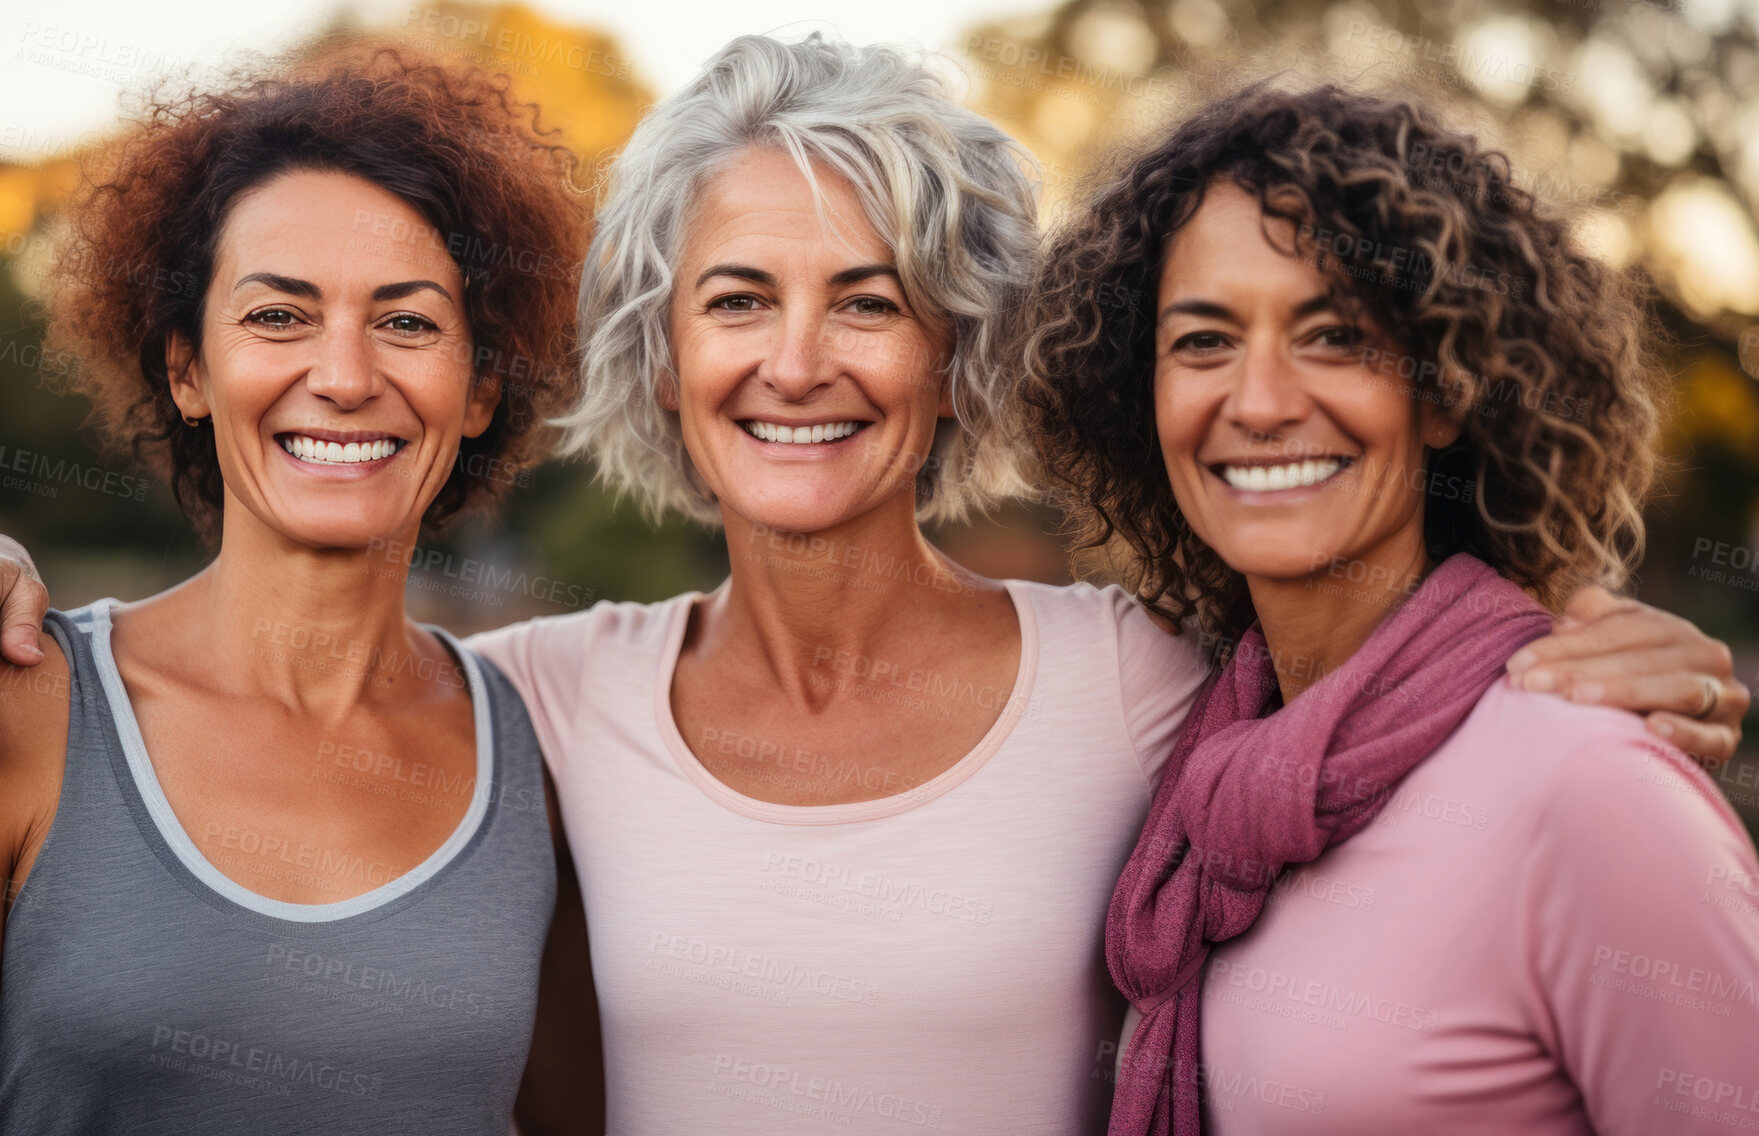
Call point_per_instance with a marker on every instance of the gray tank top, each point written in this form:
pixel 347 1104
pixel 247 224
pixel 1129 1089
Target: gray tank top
pixel 142 991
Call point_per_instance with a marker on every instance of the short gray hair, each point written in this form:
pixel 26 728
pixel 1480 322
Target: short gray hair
pixel 950 193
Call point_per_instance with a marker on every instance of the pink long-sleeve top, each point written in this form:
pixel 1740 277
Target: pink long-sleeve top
pixel 1553 927
pixel 927 961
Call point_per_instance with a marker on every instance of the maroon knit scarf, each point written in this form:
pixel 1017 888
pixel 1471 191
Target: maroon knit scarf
pixel 1245 795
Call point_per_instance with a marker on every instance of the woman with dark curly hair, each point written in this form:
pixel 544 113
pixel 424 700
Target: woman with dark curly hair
pixel 1393 416
pixel 300 871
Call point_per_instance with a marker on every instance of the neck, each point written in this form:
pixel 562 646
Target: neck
pixel 1313 623
pixel 318 629
pixel 807 600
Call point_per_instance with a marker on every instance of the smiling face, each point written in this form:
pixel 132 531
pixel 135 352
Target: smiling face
pixel 335 364
pixel 808 389
pixel 1284 449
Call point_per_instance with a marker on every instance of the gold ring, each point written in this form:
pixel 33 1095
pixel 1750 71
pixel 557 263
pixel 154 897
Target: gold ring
pixel 1712 695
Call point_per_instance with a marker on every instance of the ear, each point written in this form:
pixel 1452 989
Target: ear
pixel 943 372
pixel 183 371
pixel 1439 429
pixel 479 407
pixel 666 393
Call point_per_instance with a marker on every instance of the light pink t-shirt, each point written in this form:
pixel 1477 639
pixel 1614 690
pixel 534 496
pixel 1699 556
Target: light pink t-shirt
pixel 930 960
pixel 1553 927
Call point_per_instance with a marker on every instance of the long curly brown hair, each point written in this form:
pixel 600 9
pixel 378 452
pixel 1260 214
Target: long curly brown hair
pixel 1536 347
pixel 141 235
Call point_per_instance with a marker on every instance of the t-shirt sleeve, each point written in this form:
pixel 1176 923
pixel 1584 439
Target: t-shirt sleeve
pixel 1160 675
pixel 1641 913
pixel 543 659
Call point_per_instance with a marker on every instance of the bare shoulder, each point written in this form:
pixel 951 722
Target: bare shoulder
pixel 34 705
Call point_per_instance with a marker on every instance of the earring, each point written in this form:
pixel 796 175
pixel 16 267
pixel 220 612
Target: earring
pixel 188 421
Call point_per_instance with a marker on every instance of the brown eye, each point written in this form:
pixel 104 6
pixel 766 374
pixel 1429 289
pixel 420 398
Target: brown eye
pixel 407 323
pixel 271 317
pixel 1341 337
pixel 1200 342
pixel 872 306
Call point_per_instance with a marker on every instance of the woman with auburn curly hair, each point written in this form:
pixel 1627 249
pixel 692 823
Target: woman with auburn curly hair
pixel 300 871
pixel 1390 413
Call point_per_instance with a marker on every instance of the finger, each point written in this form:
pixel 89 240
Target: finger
pixel 1633 662
pixel 1640 626
pixel 21 617
pixel 1706 743
pixel 1732 706
pixel 1676 691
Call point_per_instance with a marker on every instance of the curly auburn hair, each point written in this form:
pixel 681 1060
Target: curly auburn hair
pixel 1534 346
pixel 141 237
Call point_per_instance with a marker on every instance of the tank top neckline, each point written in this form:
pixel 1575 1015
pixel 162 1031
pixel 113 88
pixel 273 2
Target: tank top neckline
pixel 678 621
pixel 171 831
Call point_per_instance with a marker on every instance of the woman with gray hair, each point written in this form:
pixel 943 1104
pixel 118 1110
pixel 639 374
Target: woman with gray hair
pixel 847 826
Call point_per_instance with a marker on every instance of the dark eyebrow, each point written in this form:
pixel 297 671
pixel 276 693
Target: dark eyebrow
pixel 738 271
pixel 1204 309
pixel 405 288
pixel 862 272
pixel 286 284
pixel 1208 309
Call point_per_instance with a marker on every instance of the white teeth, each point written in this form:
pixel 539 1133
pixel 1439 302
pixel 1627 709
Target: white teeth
pixel 1269 479
pixel 336 453
pixel 798 435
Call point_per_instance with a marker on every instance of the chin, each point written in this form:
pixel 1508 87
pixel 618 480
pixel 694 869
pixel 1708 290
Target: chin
pixel 1290 561
pixel 792 509
pixel 343 532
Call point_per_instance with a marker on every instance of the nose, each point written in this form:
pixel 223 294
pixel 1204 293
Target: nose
pixel 800 357
pixel 345 372
pixel 1267 395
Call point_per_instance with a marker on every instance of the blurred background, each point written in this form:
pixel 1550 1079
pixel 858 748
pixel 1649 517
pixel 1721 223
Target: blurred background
pixel 1636 119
